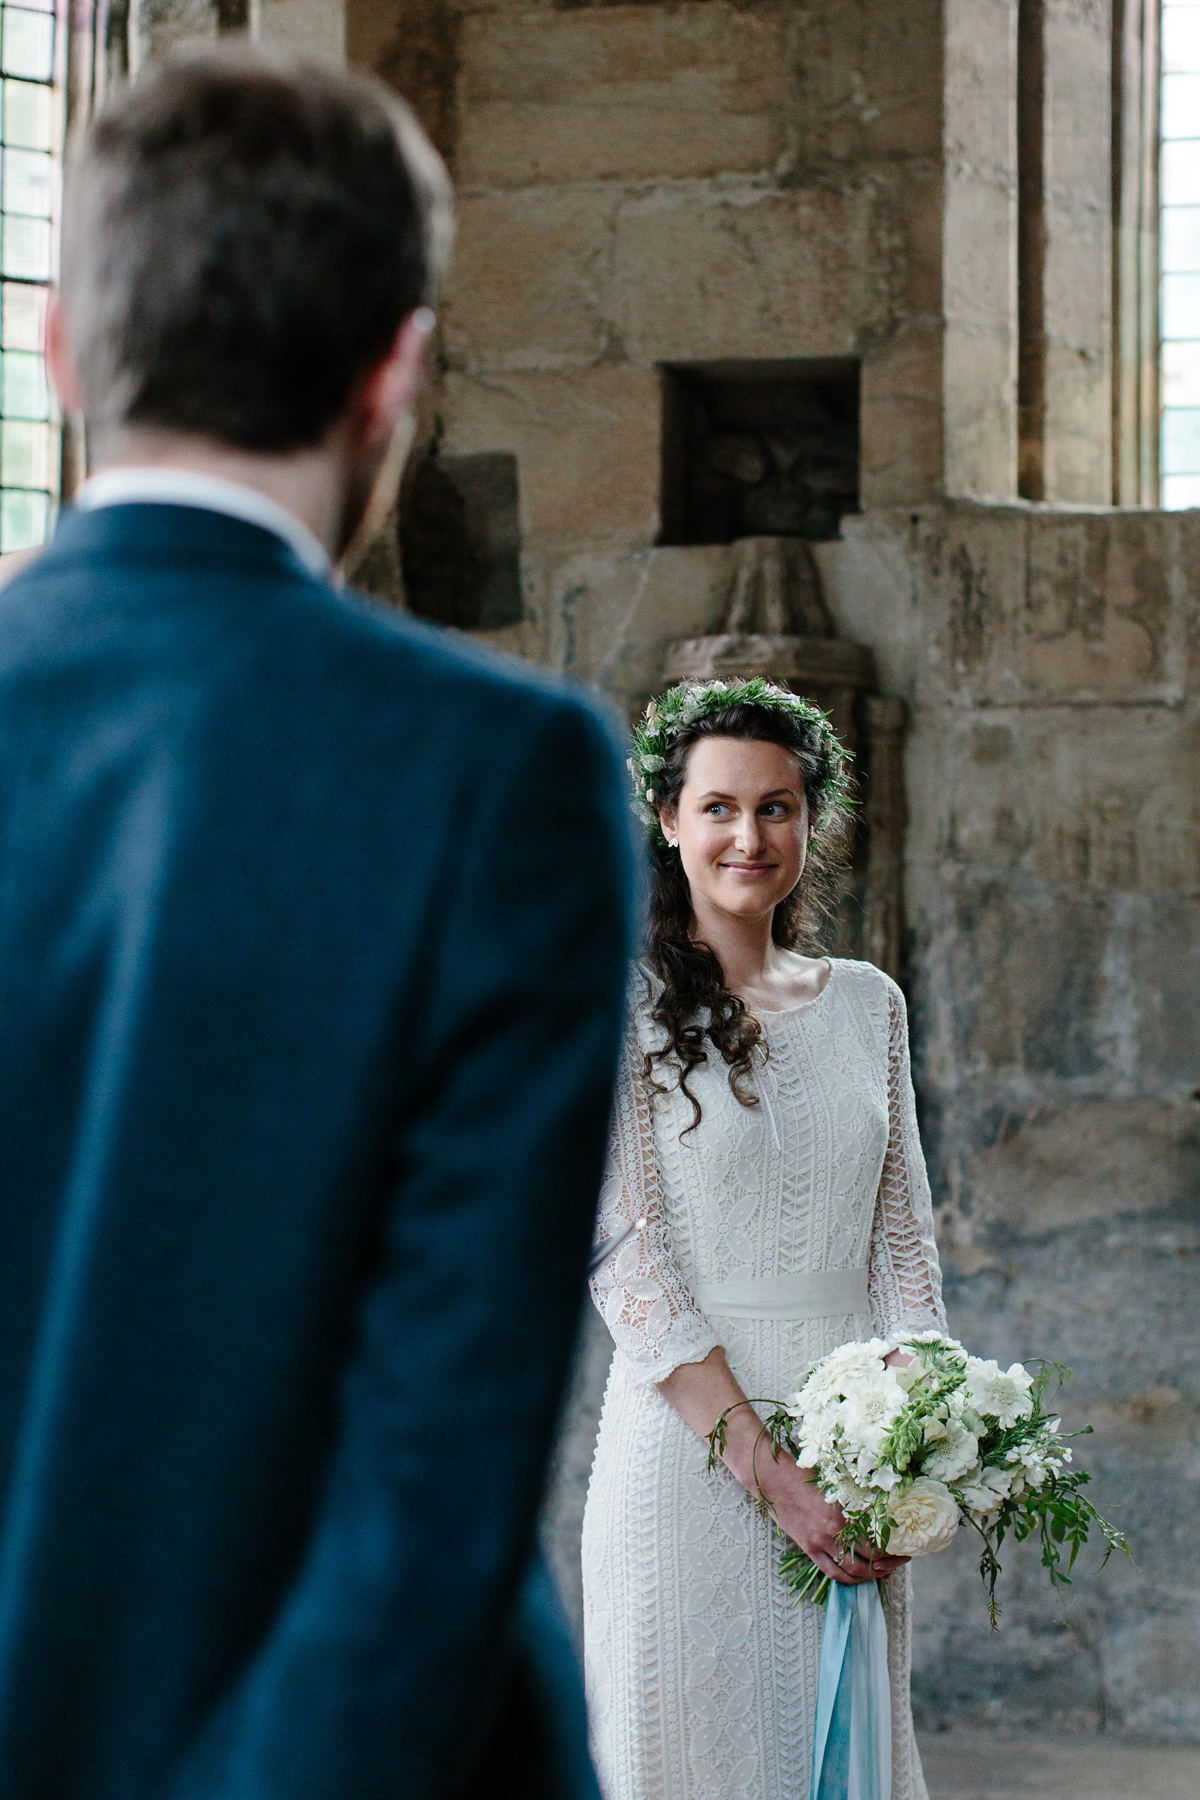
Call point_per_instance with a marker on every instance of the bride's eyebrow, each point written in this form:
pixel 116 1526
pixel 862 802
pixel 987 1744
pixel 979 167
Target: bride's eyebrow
pixel 775 793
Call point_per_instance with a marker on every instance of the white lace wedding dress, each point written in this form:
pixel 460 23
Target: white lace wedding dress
pixel 702 1675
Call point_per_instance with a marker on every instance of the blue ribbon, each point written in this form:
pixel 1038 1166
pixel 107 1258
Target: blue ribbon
pixel 852 1737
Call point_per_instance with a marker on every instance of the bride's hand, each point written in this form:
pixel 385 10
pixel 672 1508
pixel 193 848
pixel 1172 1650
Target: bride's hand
pixel 704 1392
pixel 813 1522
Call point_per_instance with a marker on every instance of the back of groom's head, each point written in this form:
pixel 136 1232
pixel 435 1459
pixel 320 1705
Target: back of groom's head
pixel 242 236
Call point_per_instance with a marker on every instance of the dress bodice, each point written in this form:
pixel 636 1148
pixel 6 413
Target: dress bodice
pixel 823 1173
pixel 789 1184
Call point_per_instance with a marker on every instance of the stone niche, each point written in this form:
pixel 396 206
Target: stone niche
pixel 759 448
pixel 459 536
pixel 778 625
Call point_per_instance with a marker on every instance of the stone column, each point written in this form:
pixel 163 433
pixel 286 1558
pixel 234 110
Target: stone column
pixel 979 239
pixel 1077 296
pixel 884 819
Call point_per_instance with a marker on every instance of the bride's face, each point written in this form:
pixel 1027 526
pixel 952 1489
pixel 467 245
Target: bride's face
pixel 742 825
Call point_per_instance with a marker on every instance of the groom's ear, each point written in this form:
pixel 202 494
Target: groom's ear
pixel 62 371
pixel 386 392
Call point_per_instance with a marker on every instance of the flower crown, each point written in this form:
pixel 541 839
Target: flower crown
pixel 681 707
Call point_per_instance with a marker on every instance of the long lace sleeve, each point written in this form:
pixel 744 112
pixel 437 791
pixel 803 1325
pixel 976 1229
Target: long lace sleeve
pixel 904 1280
pixel 640 1293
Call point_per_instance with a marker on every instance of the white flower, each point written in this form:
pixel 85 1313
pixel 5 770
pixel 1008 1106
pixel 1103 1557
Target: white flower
pixel 837 1375
pixel 952 1454
pixel 871 1406
pixel 850 1496
pixel 985 1493
pixel 925 1519
pixel 1003 1396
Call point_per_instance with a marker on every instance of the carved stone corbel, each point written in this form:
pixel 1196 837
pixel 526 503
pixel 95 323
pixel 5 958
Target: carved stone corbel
pixel 778 625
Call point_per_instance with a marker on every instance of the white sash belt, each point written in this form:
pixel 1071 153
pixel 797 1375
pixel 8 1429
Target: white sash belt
pixel 823 1294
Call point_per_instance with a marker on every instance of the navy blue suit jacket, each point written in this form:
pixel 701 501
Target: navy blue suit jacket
pixel 313 924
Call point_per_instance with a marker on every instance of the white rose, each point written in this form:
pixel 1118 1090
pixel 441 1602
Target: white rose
pixel 999 1394
pixel 925 1519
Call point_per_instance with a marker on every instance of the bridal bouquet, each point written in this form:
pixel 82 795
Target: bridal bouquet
pixel 912 1454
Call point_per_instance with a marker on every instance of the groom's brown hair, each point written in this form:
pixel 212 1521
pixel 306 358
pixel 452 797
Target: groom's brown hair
pixel 242 235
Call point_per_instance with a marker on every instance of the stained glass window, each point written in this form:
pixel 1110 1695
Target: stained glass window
pixel 1180 239
pixel 30 135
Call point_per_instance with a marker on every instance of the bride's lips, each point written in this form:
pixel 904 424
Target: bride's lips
pixel 748 868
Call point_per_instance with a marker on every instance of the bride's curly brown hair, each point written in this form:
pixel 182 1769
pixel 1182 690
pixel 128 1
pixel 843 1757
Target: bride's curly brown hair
pixel 695 1006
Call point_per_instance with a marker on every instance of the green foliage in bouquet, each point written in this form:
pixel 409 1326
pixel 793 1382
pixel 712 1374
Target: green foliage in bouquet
pixel 911 1454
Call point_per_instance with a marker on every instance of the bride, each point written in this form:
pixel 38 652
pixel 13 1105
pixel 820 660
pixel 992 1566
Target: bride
pixel 765 1128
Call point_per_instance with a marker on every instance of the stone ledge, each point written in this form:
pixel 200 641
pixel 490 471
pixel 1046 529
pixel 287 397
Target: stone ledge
pixel 969 1764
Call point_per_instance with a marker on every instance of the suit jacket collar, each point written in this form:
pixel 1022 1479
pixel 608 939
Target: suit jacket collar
pixel 155 535
pixel 186 487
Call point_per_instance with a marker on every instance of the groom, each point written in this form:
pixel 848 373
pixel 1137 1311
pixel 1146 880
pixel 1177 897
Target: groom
pixel 313 924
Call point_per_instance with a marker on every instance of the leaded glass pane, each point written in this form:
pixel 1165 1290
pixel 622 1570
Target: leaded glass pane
pixel 22 316
pixel 1181 306
pixel 24 393
pixel 1180 105
pixel 1180 172
pixel 1181 374
pixel 28 183
pixel 28 454
pixel 24 519
pixel 1179 239
pixel 1181 490
pixel 1181 440
pixel 26 250
pixel 1181 39
pixel 28 115
pixel 27 43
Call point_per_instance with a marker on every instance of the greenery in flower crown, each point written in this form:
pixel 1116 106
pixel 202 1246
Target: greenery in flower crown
pixel 682 706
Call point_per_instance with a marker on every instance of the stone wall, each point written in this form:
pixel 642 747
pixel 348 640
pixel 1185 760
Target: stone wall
pixel 680 184
pixel 1051 663
pixel 683 182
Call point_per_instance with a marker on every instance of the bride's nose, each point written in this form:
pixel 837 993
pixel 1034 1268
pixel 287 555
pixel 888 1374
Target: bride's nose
pixel 749 835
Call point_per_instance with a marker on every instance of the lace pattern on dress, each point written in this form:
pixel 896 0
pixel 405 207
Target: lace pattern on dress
pixel 640 1293
pixel 702 1675
pixel 904 1281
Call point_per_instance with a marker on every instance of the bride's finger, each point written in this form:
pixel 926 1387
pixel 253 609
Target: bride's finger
pixel 829 1565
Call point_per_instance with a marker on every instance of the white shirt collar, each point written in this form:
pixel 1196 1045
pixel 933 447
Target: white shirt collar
pixel 159 486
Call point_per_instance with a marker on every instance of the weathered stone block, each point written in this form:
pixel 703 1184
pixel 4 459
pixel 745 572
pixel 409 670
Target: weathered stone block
pixel 531 279
pixel 314 28
pixel 1035 603
pixel 587 448
pixel 1079 797
pixel 1114 1299
pixel 867 84
pixel 1057 1163
pixel 611 618
pixel 902 417
pixel 632 94
pixel 736 271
